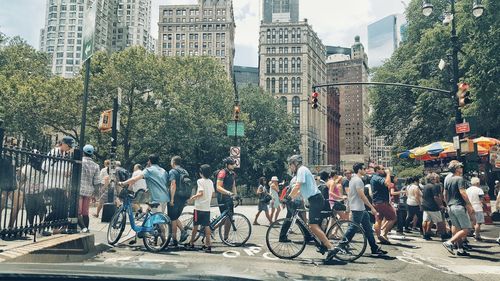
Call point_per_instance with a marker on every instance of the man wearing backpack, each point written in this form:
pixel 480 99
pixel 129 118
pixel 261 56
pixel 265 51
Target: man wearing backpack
pixel 180 191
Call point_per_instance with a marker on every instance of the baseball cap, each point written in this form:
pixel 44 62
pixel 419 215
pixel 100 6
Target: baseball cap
pixel 88 149
pixel 69 141
pixel 275 178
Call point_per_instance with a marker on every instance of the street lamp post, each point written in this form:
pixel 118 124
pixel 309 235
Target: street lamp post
pixel 477 11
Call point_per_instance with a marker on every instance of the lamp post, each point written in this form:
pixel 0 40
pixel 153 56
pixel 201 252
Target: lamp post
pixel 477 11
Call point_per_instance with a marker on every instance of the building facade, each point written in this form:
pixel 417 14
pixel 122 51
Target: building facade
pixel 380 153
pixel 333 127
pixel 280 11
pixel 204 29
pixel 384 37
pixel 245 76
pixel 119 24
pixel 291 61
pixel 354 109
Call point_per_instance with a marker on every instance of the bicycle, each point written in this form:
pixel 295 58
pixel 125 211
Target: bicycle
pixel 155 228
pixel 240 228
pixel 286 237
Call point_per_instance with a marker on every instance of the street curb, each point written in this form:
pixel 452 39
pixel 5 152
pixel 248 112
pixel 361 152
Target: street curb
pixel 85 242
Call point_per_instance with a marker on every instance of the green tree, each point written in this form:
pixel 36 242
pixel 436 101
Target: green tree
pixel 269 136
pixel 415 117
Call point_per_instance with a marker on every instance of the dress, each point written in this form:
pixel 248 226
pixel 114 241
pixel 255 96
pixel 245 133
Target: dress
pixel 276 199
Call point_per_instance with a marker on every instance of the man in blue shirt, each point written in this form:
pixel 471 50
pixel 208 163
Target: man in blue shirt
pixel 177 203
pixel 380 184
pixel 156 180
pixel 306 186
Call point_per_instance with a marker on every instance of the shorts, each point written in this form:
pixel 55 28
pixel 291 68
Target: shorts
pixel 479 217
pixel 385 210
pixel 226 203
pixel 263 206
pixel 459 217
pixel 174 212
pixel 315 207
pixel 201 218
pixel 433 216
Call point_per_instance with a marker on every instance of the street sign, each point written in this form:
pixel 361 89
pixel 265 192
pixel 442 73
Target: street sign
pixel 456 142
pixel 89 31
pixel 235 128
pixel 237 164
pixel 462 128
pixel 235 151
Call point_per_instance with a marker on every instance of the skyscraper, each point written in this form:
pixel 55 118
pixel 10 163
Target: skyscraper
pixel 292 60
pixel 354 108
pixel 280 11
pixel 384 37
pixel 204 29
pixel 119 24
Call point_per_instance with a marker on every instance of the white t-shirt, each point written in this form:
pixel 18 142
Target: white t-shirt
pixel 473 193
pixel 412 195
pixel 203 203
pixel 140 184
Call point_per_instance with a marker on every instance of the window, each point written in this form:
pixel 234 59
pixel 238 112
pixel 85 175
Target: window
pixel 268 84
pixel 285 85
pixel 293 85
pixel 280 69
pixel 273 66
pixel 268 66
pixel 298 65
pixel 283 101
pixel 296 110
pixel 273 85
pixel 293 65
pixel 299 86
pixel 280 85
pixel 285 65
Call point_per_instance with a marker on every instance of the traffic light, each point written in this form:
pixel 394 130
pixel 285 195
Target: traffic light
pixel 463 94
pixel 314 100
pixel 237 112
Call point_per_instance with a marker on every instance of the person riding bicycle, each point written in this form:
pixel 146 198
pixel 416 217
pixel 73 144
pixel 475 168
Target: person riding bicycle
pixel 226 189
pixel 306 186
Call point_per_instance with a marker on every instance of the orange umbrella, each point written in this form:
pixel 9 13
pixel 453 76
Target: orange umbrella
pixel 486 142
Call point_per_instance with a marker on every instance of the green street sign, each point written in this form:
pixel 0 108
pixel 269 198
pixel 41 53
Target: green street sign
pixel 89 31
pixel 235 129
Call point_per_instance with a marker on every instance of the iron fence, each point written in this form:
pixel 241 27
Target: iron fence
pixel 39 185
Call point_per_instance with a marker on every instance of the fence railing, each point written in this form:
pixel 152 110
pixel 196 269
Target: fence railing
pixel 39 187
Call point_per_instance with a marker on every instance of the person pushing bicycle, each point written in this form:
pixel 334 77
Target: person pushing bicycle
pixel 306 186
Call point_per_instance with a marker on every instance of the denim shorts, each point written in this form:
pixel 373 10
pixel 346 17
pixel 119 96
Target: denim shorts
pixel 459 217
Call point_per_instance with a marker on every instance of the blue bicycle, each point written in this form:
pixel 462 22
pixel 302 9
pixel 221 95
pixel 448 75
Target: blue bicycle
pixel 155 228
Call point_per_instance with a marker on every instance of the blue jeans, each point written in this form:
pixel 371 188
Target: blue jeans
pixel 363 219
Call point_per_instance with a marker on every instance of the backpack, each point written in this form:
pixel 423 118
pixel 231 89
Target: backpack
pixel 7 174
pixel 185 188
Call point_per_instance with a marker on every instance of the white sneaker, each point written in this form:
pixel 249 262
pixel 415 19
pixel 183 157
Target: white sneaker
pixel 85 230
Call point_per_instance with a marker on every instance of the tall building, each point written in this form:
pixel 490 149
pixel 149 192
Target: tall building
pixel 204 29
pixel 354 108
pixel 384 37
pixel 333 127
pixel 380 153
pixel 119 24
pixel 280 11
pixel 245 76
pixel 291 61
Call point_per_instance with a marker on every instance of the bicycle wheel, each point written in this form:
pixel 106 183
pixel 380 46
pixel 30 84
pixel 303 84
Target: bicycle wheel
pixel 157 239
pixel 239 231
pixel 353 247
pixel 186 219
pixel 116 226
pixel 285 243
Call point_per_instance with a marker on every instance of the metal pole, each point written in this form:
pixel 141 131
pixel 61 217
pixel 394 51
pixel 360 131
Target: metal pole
pixel 114 136
pixel 2 131
pixel 76 177
pixel 81 142
pixel 455 70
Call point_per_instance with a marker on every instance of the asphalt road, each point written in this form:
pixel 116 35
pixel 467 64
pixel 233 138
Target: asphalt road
pixel 409 258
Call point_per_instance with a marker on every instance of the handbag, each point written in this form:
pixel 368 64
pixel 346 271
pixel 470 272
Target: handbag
pixel 266 199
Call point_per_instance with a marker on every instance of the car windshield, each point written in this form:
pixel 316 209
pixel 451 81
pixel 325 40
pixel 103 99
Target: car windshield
pixel 249 139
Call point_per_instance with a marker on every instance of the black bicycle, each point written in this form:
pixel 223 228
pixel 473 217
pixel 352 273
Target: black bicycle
pixel 286 237
pixel 234 228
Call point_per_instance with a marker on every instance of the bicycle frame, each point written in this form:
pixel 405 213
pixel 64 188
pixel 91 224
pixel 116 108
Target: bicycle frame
pixel 127 206
pixel 296 218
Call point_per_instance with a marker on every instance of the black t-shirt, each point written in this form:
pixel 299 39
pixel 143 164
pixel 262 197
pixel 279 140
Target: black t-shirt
pixel 453 186
pixel 428 202
pixel 379 190
pixel 345 185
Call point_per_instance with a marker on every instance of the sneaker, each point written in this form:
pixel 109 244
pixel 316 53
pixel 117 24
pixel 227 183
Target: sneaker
pixel 208 250
pixel 184 236
pixel 174 243
pixel 189 246
pixel 407 230
pixel 331 253
pixel 85 230
pixel 467 246
pixel 322 250
pixel 379 252
pixel 449 247
pixel 498 240
pixel 427 237
pixel 462 253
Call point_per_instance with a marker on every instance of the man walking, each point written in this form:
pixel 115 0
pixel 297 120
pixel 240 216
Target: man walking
pixel 178 202
pixel 476 197
pixel 432 205
pixel 90 182
pixel 458 206
pixel 357 202
pixel 380 184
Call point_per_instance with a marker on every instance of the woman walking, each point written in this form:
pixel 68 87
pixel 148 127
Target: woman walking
pixel 264 199
pixel 414 201
pixel 275 202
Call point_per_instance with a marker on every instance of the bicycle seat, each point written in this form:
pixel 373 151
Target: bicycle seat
pixel 153 205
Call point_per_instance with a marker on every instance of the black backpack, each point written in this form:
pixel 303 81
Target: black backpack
pixel 185 188
pixel 7 174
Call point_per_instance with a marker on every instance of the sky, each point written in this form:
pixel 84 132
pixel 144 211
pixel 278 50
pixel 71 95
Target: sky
pixel 335 21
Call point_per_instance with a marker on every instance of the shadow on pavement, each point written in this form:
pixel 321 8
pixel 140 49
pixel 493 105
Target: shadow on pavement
pixel 387 258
